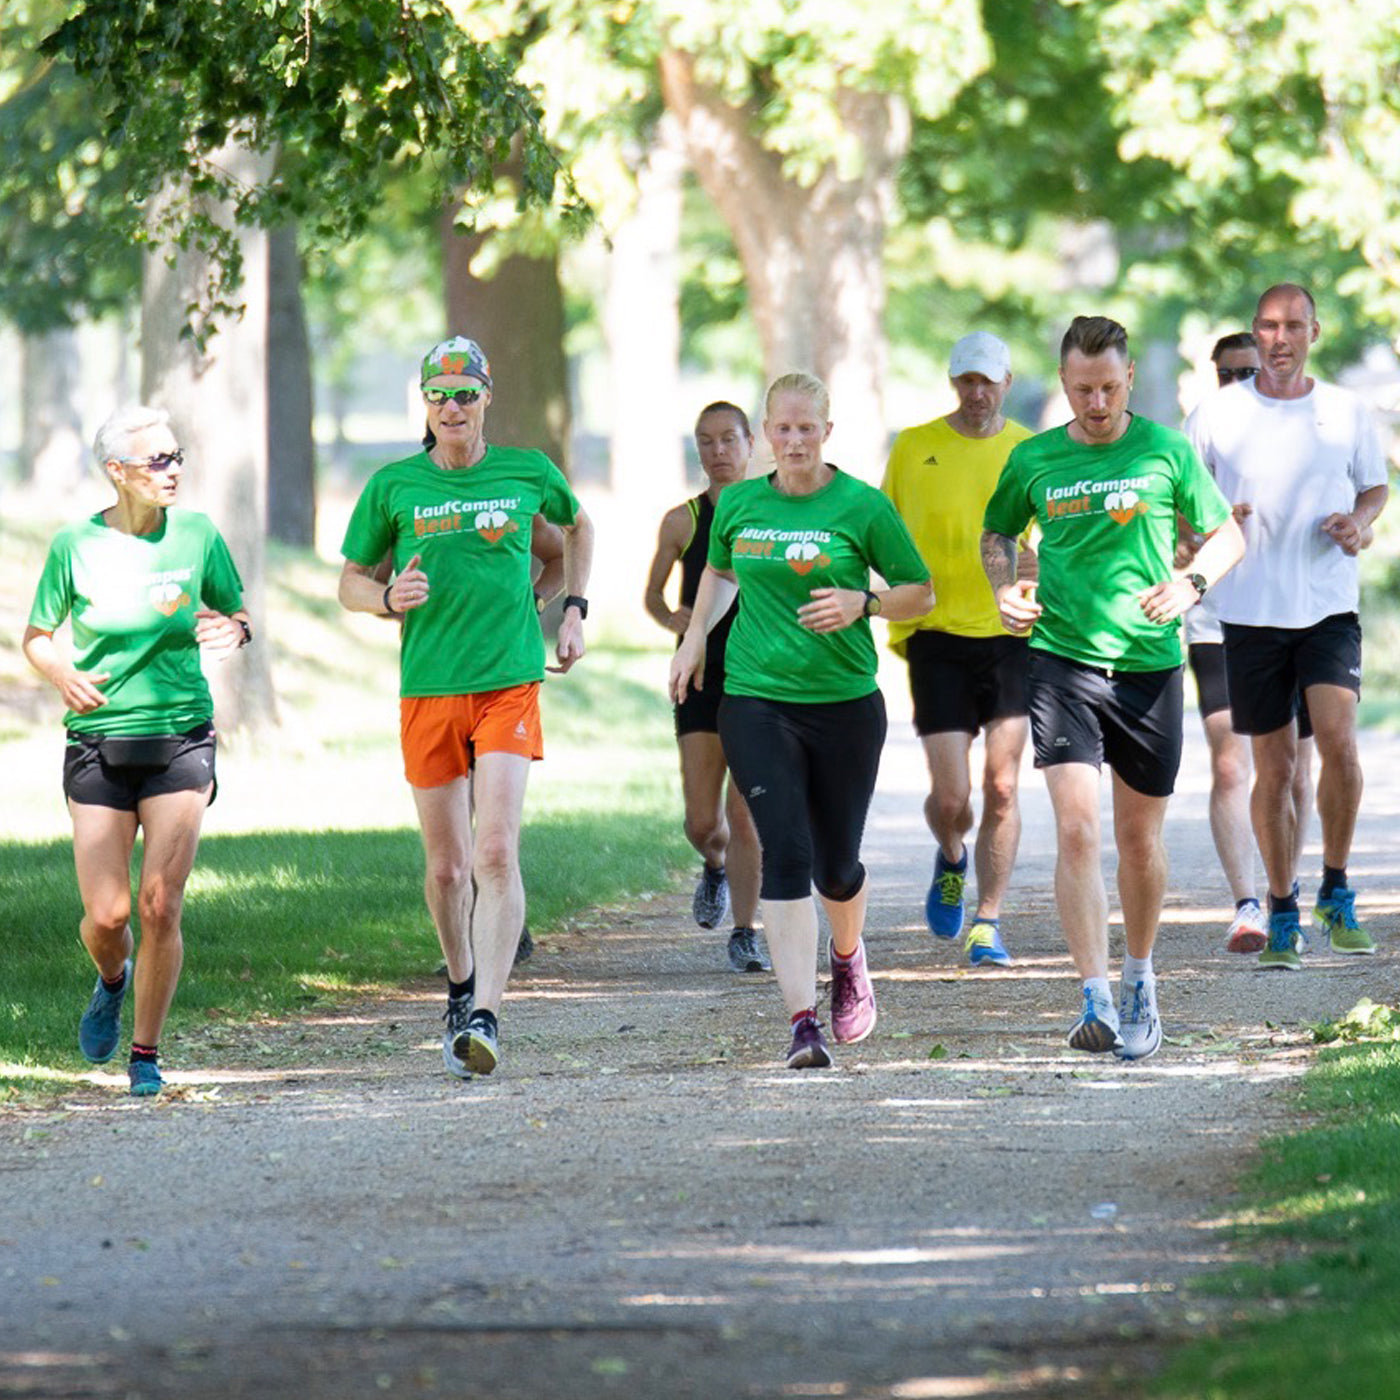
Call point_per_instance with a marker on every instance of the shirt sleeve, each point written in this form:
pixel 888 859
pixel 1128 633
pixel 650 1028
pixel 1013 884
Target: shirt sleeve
pixel 370 532
pixel 1009 510
pixel 222 587
pixel 1198 498
pixel 558 504
pixel 1368 466
pixel 53 597
pixel 720 553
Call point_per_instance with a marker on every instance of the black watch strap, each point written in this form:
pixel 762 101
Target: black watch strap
pixel 1198 582
pixel 574 601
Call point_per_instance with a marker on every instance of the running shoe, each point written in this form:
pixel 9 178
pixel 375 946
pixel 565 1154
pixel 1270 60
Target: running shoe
pixel 459 1009
pixel 1285 935
pixel 983 945
pixel 145 1078
pixel 852 996
pixel 944 906
pixel 1097 1029
pixel 711 903
pixel 744 953
pixel 101 1026
pixel 1139 1026
pixel 477 1046
pixel 1337 914
pixel 808 1049
pixel 1249 929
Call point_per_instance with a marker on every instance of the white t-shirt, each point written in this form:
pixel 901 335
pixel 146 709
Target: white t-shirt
pixel 1201 624
pixel 1296 461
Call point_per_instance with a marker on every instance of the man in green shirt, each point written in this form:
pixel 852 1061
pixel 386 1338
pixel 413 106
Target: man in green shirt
pixel 456 519
pixel 1105 669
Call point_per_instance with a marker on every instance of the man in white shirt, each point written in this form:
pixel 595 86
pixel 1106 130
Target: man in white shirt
pixel 1303 464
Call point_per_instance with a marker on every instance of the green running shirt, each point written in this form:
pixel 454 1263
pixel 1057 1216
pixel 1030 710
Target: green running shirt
pixel 478 631
pixel 781 548
pixel 1107 517
pixel 132 600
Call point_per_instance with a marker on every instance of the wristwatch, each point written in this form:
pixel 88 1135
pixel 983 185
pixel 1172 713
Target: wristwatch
pixel 872 604
pixel 574 601
pixel 1198 582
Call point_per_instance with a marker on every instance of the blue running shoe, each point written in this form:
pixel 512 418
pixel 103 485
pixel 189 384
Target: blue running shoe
pixel 944 906
pixel 146 1082
pixel 1285 935
pixel 1337 914
pixel 983 945
pixel 101 1026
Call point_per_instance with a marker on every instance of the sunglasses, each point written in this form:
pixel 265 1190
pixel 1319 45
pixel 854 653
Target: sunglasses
pixel 161 462
pixel 1227 376
pixel 466 396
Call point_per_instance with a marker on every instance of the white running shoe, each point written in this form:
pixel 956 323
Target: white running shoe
pixel 1249 929
pixel 1138 1021
pixel 1097 1029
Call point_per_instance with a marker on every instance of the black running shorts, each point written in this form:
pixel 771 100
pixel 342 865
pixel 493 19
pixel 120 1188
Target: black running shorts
pixel 963 683
pixel 1270 668
pixel 88 776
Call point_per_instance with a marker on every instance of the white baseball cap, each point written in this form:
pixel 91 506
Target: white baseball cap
pixel 980 353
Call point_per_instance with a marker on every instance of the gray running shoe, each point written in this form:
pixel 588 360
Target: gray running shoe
pixel 711 903
pixel 478 1044
pixel 459 1009
pixel 1138 1022
pixel 745 955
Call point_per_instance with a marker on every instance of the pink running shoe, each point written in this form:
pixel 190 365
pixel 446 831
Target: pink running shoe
pixel 852 997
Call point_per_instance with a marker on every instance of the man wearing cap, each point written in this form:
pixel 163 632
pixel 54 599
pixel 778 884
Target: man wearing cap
pixel 457 520
pixel 966 671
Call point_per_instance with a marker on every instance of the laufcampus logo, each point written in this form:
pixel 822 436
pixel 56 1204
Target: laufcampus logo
pixel 167 593
pixel 805 556
pixel 490 519
pixel 494 524
pixel 1119 499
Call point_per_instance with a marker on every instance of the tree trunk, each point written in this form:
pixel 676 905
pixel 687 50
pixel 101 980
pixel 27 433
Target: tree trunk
pixel 291 450
pixel 52 455
pixel 643 327
pixel 217 399
pixel 812 254
pixel 517 316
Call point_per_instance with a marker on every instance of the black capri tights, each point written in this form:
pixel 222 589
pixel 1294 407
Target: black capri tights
pixel 808 773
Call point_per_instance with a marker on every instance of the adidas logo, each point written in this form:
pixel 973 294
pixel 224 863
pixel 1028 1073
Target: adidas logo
pixel 930 460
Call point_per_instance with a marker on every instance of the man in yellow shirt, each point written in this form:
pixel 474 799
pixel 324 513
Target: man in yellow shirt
pixel 966 672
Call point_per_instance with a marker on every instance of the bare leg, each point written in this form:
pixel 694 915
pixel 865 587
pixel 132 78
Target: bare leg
pixel 847 919
pixel 498 785
pixel 1339 783
pixel 948 806
pixel 1271 806
pixel 103 839
pixel 445 819
pixel 1080 893
pixel 1000 832
pixel 1142 864
pixel 1302 798
pixel 1229 804
pixel 702 786
pixel 791 925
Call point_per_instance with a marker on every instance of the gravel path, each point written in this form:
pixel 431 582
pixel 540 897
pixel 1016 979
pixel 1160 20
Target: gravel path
pixel 643 1203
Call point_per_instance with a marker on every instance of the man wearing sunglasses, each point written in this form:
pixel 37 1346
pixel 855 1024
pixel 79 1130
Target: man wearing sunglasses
pixel 457 520
pixel 1303 463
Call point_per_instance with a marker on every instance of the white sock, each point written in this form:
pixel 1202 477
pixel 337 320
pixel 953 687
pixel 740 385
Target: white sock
pixel 1098 988
pixel 1137 970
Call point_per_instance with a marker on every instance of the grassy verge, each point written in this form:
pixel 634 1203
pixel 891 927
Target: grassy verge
pixel 1326 1224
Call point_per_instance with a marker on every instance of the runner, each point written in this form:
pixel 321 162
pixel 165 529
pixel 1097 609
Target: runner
pixel 1105 667
pixel 717 822
pixel 1236 358
pixel 1305 458
pixel 803 720
pixel 146 588
pixel 458 519
pixel 967 674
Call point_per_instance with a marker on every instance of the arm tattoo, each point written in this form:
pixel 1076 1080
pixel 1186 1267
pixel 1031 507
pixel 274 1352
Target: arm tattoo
pixel 998 559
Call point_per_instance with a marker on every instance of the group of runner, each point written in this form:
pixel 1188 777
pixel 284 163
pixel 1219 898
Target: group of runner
pixel 1275 486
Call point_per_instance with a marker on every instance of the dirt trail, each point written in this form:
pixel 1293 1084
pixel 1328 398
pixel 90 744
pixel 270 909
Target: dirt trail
pixel 643 1203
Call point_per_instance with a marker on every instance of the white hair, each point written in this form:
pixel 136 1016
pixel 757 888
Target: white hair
pixel 113 440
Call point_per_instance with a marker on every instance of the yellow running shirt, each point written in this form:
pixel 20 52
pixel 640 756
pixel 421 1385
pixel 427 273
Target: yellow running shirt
pixel 940 483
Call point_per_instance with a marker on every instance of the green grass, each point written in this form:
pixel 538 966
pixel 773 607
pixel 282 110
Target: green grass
pixel 1320 1316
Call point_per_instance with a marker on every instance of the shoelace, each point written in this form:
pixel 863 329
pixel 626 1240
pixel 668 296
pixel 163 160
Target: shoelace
pixel 950 886
pixel 843 990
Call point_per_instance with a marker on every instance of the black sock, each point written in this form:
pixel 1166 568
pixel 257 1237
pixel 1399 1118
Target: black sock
pixel 143 1052
pixel 485 1019
pixel 457 990
pixel 115 984
pixel 1240 903
pixel 1283 906
pixel 1333 879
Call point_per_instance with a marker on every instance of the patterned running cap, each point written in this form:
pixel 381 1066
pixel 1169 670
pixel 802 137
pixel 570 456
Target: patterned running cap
pixel 456 356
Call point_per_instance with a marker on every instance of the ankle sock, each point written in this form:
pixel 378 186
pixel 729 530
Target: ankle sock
pixel 1284 906
pixel 484 1019
pixel 1333 879
pixel 811 1011
pixel 457 990
pixel 115 984
pixel 1137 970
pixel 144 1052
pixel 1248 899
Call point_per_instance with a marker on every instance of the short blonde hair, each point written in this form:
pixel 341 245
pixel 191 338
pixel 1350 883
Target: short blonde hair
pixel 113 440
pixel 799 382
